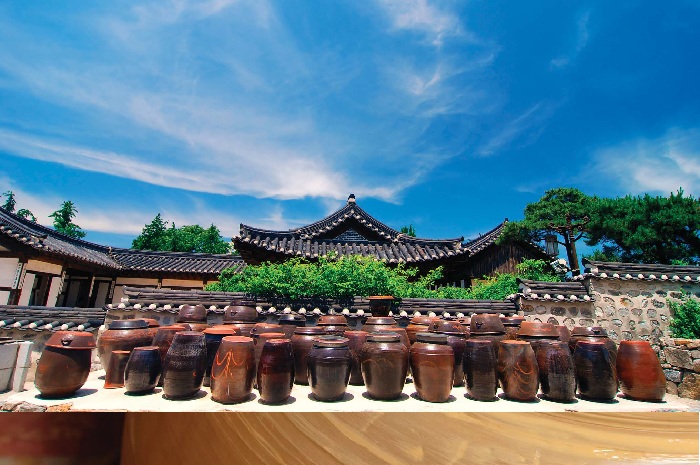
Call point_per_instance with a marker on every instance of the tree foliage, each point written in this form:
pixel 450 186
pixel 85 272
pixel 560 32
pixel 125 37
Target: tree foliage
pixel 26 214
pixel 192 238
pixel 348 276
pixel 409 230
pixel 10 201
pixel 686 317
pixel 63 220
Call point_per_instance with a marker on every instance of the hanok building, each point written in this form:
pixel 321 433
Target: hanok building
pixel 41 267
pixel 352 231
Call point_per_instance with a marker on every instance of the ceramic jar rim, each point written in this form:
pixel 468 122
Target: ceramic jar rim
pixel 128 324
pixel 73 340
pixel 436 338
pixel 237 339
pixel 308 330
pixel 145 348
pixel 331 342
pixel 380 320
pixel 383 337
pixel 215 330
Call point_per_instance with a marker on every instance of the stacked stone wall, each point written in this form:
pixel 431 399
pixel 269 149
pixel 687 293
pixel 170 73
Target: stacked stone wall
pixel 680 359
pixel 556 312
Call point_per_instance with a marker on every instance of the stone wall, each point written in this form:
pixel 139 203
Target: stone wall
pixel 565 313
pixel 680 359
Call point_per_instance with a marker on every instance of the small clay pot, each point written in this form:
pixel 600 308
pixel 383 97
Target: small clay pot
pixel 212 338
pixel 596 375
pixel 290 322
pixel 639 371
pixel 384 365
pixel 418 324
pixel 512 325
pixel 557 372
pixel 376 323
pixel 302 342
pixel 356 339
pixel 184 366
pixel 275 374
pixel 329 363
pixel 380 305
pixel 64 365
pixel 114 377
pixel 517 370
pixel 163 338
pixel 142 371
pixel 122 335
pixel 243 311
pixel 432 365
pixel 233 370
pixel 486 323
pixel 480 370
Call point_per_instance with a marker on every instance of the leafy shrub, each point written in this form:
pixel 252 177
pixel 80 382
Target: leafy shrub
pixel 349 276
pixel 686 317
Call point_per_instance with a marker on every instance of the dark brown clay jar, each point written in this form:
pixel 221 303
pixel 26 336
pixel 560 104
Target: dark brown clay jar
pixel 261 328
pixel 335 320
pixel 418 324
pixel 163 338
pixel 275 374
pixel 384 365
pixel 302 342
pixel 458 342
pixel 212 339
pixel 517 371
pixel 376 323
pixel 192 314
pixel 564 333
pixel 486 323
pixel 243 311
pixel 480 370
pixel 64 365
pixel 290 322
pixel 356 339
pixel 432 365
pixel 185 362
pixel 329 364
pixel 557 372
pixel 639 371
pixel 142 371
pixel 512 324
pixel 114 377
pixel 493 338
pixel 380 305
pixel 466 323
pixel 446 326
pixel 233 370
pixel 593 334
pixel 596 375
pixel 122 335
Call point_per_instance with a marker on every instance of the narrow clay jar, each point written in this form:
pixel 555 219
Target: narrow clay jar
pixel 275 374
pixel 185 362
pixel 302 342
pixel 356 339
pixel 432 365
pixel 233 370
pixel 212 338
pixel 329 363
pixel 114 377
pixel 384 365
pixel 639 371
pixel 480 370
pixel 163 338
pixel 517 371
pixel 557 372
pixel 142 371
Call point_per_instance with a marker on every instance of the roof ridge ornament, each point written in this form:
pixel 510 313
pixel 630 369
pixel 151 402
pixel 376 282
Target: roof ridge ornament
pixel 351 198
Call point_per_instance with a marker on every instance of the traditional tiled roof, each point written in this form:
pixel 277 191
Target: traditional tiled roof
pixel 50 318
pixel 348 231
pixel 542 290
pixel 639 271
pixel 484 240
pixel 50 241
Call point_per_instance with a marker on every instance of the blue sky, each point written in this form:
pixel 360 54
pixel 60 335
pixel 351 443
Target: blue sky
pixel 448 115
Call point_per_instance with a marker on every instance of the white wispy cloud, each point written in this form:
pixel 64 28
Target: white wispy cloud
pixel 582 36
pixel 661 165
pixel 423 16
pixel 524 128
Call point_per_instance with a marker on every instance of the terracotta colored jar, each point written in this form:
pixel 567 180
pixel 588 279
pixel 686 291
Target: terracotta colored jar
pixel 233 370
pixel 418 324
pixel 432 365
pixel 185 362
pixel 564 333
pixel 275 376
pixel 114 377
pixel 195 315
pixel 64 365
pixel 595 371
pixel 333 324
pixel 445 326
pixel 517 370
pixel 122 335
pixel 153 325
pixel 290 322
pixel 593 333
pixel 329 365
pixel 212 339
pixel 244 327
pixel 486 323
pixel 377 323
pixel 142 370
pixel 639 371
pixel 302 342
pixel 557 372
pixel 380 305
pixel 512 324
pixel 480 370
pixel 384 365
pixel 457 341
pixel 534 332
pixel 356 339
pixel 163 338
pixel 243 311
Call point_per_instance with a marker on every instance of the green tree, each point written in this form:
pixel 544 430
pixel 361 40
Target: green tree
pixel 63 220
pixel 409 230
pixel 191 238
pixel 648 229
pixel 10 201
pixel 24 213
pixel 153 236
pixel 563 211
